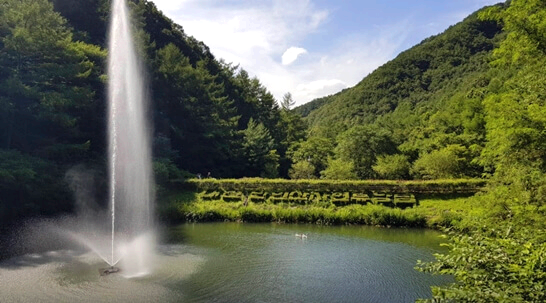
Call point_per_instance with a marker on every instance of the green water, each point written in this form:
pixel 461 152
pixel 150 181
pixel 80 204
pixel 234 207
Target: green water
pixel 231 262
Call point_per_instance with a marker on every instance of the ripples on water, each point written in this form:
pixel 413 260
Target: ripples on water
pixel 241 263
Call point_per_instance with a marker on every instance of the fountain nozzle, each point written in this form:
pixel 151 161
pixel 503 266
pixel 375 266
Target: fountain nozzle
pixel 108 270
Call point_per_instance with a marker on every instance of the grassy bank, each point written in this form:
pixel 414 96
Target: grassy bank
pixel 432 212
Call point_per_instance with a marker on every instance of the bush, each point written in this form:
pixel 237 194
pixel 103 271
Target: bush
pixel 491 269
pixel 444 163
pixel 392 167
pixel 302 170
pixel 339 170
pixel 340 199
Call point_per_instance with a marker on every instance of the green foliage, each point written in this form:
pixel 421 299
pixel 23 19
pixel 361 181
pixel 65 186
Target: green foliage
pixel 515 108
pixel 271 166
pixel 30 186
pixel 167 174
pixel 449 186
pixel 392 167
pixel 52 94
pixel 287 102
pixel 491 269
pixel 440 164
pixel 422 76
pixel 338 170
pixel 500 256
pixel 198 211
pixel 257 145
pixel 361 145
pixel 305 109
pixel 495 260
pixel 46 79
pixel 302 170
pixel 315 150
pixel 292 129
pixel 426 99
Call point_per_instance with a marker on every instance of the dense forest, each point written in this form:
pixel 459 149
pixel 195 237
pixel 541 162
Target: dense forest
pixel 469 102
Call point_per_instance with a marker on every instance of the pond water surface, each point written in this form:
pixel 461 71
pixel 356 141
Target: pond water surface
pixel 231 262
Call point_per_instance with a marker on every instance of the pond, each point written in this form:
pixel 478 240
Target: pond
pixel 232 262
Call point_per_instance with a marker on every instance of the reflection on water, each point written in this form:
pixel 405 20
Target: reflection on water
pixel 231 262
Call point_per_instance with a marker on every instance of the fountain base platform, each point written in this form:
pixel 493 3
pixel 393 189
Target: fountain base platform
pixel 108 270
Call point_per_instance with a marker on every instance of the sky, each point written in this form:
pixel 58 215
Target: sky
pixel 313 48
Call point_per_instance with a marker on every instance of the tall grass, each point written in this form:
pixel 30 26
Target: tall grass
pixel 432 212
pixel 213 211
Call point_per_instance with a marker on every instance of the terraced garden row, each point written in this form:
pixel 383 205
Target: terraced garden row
pixel 401 200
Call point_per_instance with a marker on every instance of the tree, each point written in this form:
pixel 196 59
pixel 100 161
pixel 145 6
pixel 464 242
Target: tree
pixel 443 163
pixel 291 129
pixel 257 145
pixel 195 113
pixel 393 167
pixel 271 166
pixel 339 170
pixel 287 102
pixel 362 145
pixel 47 81
pixel 30 186
pixel 314 150
pixel 501 259
pixel 302 170
pixel 515 108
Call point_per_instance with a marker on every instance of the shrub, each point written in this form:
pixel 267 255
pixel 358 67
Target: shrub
pixel 298 197
pixel 232 196
pixel 210 195
pixel 339 170
pixel 279 197
pixel 392 167
pixel 302 170
pixel 404 200
pixel 340 198
pixel 444 163
pixel 360 198
pixel 257 196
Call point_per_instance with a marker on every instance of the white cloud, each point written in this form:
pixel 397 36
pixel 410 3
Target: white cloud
pixel 170 6
pixel 320 88
pixel 291 54
pixel 259 35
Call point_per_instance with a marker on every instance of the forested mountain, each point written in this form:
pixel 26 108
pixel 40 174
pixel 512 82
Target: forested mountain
pixel 418 115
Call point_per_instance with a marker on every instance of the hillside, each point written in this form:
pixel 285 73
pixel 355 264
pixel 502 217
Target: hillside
pixel 420 77
pixel 423 106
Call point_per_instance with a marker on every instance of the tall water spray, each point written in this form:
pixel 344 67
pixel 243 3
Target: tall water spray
pixel 129 150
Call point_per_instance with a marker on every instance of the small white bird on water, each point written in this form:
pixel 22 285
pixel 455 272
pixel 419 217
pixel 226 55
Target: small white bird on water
pixel 301 236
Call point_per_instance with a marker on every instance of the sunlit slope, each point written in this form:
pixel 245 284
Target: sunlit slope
pixel 420 78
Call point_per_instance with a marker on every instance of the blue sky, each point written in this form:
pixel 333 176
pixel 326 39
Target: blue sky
pixel 313 48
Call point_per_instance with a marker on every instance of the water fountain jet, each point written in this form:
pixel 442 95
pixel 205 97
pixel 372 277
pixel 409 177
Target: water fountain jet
pixel 129 150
